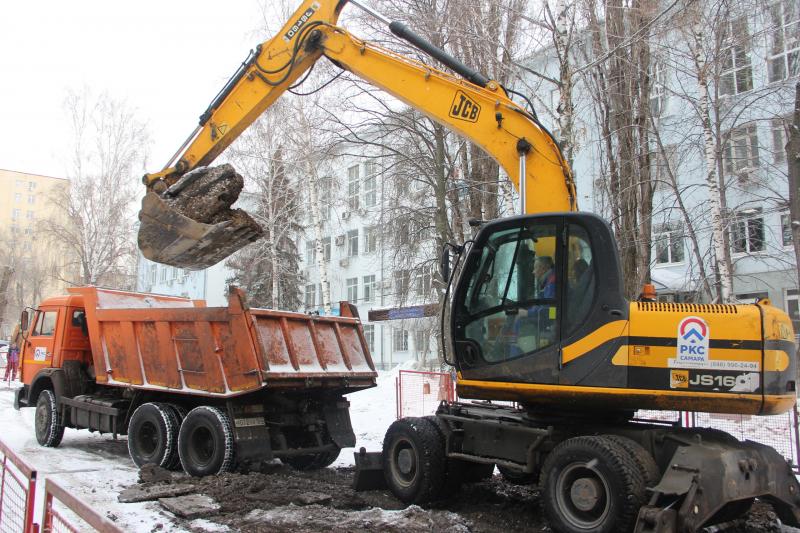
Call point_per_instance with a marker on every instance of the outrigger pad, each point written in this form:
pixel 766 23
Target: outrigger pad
pixel 369 471
pixel 193 226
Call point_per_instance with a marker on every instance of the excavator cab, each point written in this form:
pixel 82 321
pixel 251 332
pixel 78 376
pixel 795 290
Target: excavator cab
pixel 530 285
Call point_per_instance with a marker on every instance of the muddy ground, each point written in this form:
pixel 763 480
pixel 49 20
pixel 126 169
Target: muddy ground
pixel 281 499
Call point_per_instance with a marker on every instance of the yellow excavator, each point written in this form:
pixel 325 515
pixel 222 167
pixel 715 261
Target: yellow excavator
pixel 534 314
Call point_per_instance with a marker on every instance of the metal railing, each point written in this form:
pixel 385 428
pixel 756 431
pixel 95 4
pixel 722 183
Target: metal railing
pixel 54 520
pixel 419 393
pixel 17 493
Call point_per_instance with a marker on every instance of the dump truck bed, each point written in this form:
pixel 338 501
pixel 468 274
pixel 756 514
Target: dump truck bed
pixel 157 342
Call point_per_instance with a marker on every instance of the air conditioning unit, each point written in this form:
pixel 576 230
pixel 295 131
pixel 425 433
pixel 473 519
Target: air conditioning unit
pixel 345 215
pixel 340 240
pixel 344 262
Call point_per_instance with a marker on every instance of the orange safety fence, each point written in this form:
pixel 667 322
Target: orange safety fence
pixel 17 493
pixel 56 520
pixel 420 393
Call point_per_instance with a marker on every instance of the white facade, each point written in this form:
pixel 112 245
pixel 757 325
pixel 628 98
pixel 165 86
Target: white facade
pixel 760 95
pixel 209 284
pixel 362 267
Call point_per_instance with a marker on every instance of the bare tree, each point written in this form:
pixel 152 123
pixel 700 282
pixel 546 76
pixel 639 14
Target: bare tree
pixel 793 164
pixel 108 155
pixel 268 269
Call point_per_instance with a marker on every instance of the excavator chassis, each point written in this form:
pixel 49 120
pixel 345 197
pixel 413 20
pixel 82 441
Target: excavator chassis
pixel 694 477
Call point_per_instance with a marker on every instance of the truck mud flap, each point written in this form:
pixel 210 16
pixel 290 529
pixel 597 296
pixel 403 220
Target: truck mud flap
pixel 709 474
pixel 369 471
pixel 337 419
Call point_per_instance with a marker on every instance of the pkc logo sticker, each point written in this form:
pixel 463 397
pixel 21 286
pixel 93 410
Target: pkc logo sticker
pixel 693 334
pixel 465 108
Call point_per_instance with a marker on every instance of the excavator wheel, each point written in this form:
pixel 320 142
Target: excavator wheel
pixel 414 462
pixel 644 461
pixel 592 484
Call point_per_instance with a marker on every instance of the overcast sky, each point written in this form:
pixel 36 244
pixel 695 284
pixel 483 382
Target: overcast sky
pixel 167 59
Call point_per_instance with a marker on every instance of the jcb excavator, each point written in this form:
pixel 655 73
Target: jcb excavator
pixel 535 316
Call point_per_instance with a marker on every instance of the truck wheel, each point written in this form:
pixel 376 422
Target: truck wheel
pixel 206 443
pixel 313 461
pixel 414 460
pixel 153 435
pixel 48 426
pixel 644 461
pixel 180 413
pixel 591 484
pixel 517 477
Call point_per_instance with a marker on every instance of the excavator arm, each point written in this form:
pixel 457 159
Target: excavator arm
pixel 476 107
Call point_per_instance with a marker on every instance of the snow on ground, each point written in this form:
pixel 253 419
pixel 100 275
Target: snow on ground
pixel 97 467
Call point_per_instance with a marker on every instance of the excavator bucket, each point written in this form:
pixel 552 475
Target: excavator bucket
pixel 192 225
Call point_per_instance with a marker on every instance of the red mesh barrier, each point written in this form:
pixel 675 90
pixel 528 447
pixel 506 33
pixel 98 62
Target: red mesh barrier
pixel 419 393
pixel 17 490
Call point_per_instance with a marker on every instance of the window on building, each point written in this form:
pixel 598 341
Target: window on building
pixel 31 198
pixel 784 48
pixel 19 183
pixel 741 150
pixel 370 239
pixel 369 336
pixel 352 243
pixel 792 300
pixel 370 191
pixel 401 282
pixel 403 230
pixel 352 188
pixel 737 73
pixel 400 340
pixel 326 249
pixel 352 290
pixel 424 281
pixel 778 140
pixel 369 288
pixel 325 197
pixel 152 276
pixel 308 299
pixel 14 229
pixel 29 215
pixel 658 91
pixel 747 231
pixel 17 197
pixel 786 229
pixel 664 166
pixel 15 214
pixel 31 185
pixel 28 231
pixel 310 250
pixel 668 243
pixel 162 274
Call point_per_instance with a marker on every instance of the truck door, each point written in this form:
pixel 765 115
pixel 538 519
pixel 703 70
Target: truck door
pixel 508 303
pixel 39 345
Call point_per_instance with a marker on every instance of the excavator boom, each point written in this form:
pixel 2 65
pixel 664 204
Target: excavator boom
pixel 174 233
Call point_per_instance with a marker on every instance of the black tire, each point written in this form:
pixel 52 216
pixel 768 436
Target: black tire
pixel 518 477
pixel 591 485
pixel 313 461
pixel 180 413
pixel 454 469
pixel 644 461
pixel 206 444
pixel 47 423
pixel 414 460
pixel 153 435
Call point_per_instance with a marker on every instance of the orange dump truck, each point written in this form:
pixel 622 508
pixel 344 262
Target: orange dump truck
pixel 203 388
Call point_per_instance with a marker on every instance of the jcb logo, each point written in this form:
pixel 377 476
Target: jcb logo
pixel 679 379
pixel 465 108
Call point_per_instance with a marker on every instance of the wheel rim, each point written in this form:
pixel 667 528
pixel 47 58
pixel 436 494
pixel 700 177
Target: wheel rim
pixel 201 446
pixel 404 462
pixel 42 420
pixel 582 495
pixel 148 439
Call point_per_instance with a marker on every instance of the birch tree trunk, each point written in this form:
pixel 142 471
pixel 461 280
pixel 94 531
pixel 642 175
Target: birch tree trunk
pixel 793 162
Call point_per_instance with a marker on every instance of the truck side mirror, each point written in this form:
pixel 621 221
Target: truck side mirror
pixel 23 321
pixel 444 264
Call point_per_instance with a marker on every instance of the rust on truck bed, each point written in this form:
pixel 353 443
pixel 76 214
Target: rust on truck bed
pixel 157 342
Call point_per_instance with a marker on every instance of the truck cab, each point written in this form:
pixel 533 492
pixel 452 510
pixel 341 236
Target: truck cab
pixel 55 351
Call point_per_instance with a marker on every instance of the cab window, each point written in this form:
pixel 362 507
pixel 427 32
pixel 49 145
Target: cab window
pixel 511 302
pixel 581 285
pixel 79 320
pixel 45 324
